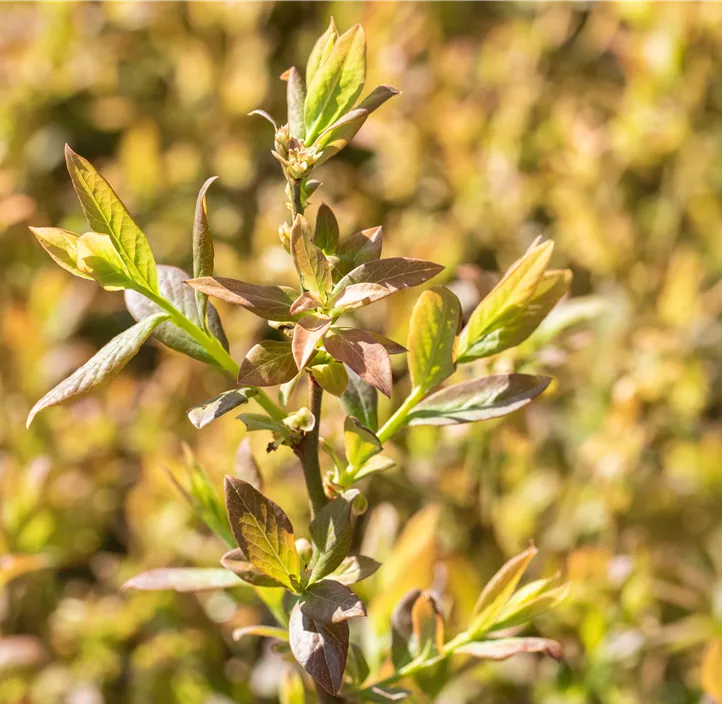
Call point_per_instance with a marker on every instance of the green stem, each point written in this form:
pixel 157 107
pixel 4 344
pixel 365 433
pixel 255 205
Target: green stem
pixel 398 419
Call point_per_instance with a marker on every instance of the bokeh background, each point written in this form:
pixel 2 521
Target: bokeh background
pixel 596 125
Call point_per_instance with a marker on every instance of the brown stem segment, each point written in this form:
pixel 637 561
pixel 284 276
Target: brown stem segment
pixel 325 698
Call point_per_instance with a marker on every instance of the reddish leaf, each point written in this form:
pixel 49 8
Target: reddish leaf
pixel 305 302
pixel 311 264
pixel 267 364
pixel 507 647
pixel 331 602
pixel 360 351
pixel 359 248
pixel 326 233
pixel 308 331
pixel 183 579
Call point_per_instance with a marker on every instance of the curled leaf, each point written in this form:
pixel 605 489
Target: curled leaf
pixel 203 257
pixel 62 246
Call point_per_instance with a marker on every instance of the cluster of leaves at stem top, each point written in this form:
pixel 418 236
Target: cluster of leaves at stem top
pixel 336 276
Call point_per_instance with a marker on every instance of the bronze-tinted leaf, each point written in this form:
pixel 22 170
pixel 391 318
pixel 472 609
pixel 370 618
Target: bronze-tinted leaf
pixel 267 364
pixel 305 302
pixel 184 579
pixel 362 353
pixel 331 533
pixel 306 335
pixel 354 568
pixel 504 648
pixel 338 135
pixel 358 248
pixel 311 264
pixel 377 97
pixel 391 346
pixel 326 233
pixel 268 302
pixel 402 629
pixel 202 247
pixel 202 414
pixel 331 602
pixel 235 561
pixel 320 648
pixel 361 400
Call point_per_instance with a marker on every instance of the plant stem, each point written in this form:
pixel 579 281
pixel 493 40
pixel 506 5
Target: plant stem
pixel 307 450
pixel 296 203
pixel 324 697
pixel 397 420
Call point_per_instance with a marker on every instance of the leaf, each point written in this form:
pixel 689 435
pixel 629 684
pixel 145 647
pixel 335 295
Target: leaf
pixel 101 367
pixel 309 331
pixel 236 562
pixel 427 627
pixel 389 275
pixel 97 257
pixel 202 414
pixel 377 97
pixel 360 351
pixel 266 116
pixel 390 346
pixel 106 214
pixel 485 334
pixel 361 400
pixel 402 629
pixel 246 466
pixel 354 568
pixel 331 534
pixel 267 302
pixel 331 377
pixel 61 245
pixel 183 579
pixel 336 83
pixel 326 233
pixel 320 648
pixel 504 648
pixel 291 689
pixel 435 322
pixel 498 591
pixel 321 50
pixel 338 135
pixel 267 364
pixel 263 631
pixel 331 602
pixel 311 264
pixel 711 680
pixel 361 443
pixel 202 248
pixel 379 463
pixel 259 421
pixel 295 97
pixel 523 612
pixel 305 302
pixel 479 399
pixel 263 532
pixel 359 248
pixel 357 668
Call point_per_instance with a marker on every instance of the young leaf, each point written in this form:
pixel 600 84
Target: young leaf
pixel 202 248
pixel 492 326
pixel 295 97
pixel 337 82
pixel 306 335
pixel 331 602
pixel 202 414
pixel 361 444
pixel 361 400
pixel 171 283
pixel 359 248
pixel 236 562
pixel 101 367
pixel 524 611
pixel 311 264
pixel 97 257
pixel 379 463
pixel 338 135
pixel 259 421
pixel 320 648
pixel 183 579
pixel 263 532
pixel 265 116
pixel 331 377
pixel 498 591
pixel 427 627
pixel 268 302
pixel 261 630
pixel 331 534
pixel 377 97
pixel 357 668
pixel 61 245
pixel 479 399
pixel 434 325
pixel 387 694
pixel 246 466
pixel 326 233
pixel 106 214
pixel 360 351
pixel 402 629
pixel 504 648
pixel 321 50
pixel 305 302
pixel 267 364
pixel 353 568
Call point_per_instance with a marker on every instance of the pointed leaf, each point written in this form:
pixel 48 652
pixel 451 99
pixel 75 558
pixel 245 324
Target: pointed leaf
pixel 320 648
pixel 259 421
pixel 236 562
pixel 361 443
pixel 61 245
pixel 266 116
pixel 268 302
pixel 246 466
pixel 263 532
pixel 390 346
pixel 97 257
pixel 202 248
pixel 107 215
pixel 326 233
pixel 525 611
pixel 331 602
pixel 354 568
pixel 311 264
pixel 402 629
pixel 479 399
pixel 360 351
pixel 202 414
pixel 295 97
pixel 357 668
pixel 267 364
pixel 306 335
pixel 331 377
pixel 387 694
pixel 101 367
pixel 321 50
pixel 361 400
pixel 435 322
pixel 359 248
pixel 377 97
pixel 183 579
pixel 331 533
pixel 305 302
pixel 504 648
pixel 379 463
pixel 263 631
pixel 338 135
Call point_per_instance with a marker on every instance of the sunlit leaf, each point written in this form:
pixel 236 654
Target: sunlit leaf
pixel 331 602
pixel 184 579
pixel 331 377
pixel 402 629
pixel 203 258
pixel 427 627
pixel 524 610
pixel 354 568
pixel 321 50
pixel 360 351
pixel 379 463
pixel 504 648
pixel 338 135
pixel 61 245
pixel 306 335
pixel 361 400
pixel 377 97
pixel 295 97
pixel 360 442
pixel 358 248
pixel 262 631
pixel 236 562
pixel 98 258
pixel 291 689
pixel 267 364
pixel 206 412
pixel 387 694
pixel 326 233
pixel 311 264
pixel 305 302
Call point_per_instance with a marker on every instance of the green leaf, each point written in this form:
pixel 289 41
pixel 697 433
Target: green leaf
pixel 331 377
pixel 493 326
pixel 171 283
pixel 103 366
pixel 263 532
pixel 357 249
pixel 309 331
pixel 268 302
pixel 295 97
pixel 361 352
pixel 326 233
pixel 311 264
pixel 267 364
pixel 386 694
pixel 435 322
pixel 202 414
pixel 331 534
pixel 98 258
pixel 354 568
pixel 202 248
pixel 526 611
pixel 320 648
pixel 62 246
pixel 259 421
pixel 338 136
pixel 361 400
pixel 361 443
pixel 479 399
pixel 291 689
pixel 503 648
pixel 236 562
pixel 183 579
pixel 107 215
pixel 331 602
pixel 357 668
pixel 321 50
pixel 498 591
pixel 379 463
pixel 336 83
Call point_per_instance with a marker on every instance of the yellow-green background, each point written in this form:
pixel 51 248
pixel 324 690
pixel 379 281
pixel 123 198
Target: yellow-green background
pixel 596 125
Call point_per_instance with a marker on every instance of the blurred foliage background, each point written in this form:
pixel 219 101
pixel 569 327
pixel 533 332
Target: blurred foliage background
pixel 595 125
